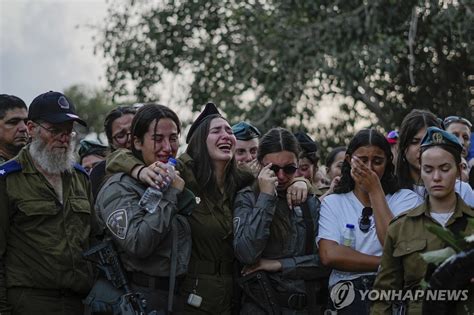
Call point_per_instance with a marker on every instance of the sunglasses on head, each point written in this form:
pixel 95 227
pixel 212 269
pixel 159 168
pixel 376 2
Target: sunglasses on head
pixel 364 221
pixel 452 119
pixel 288 169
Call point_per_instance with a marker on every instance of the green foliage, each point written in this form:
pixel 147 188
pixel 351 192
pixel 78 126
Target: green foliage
pixel 438 256
pixel 268 61
pixel 457 242
pixel 92 105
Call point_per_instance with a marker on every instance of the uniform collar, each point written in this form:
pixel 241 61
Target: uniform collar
pixel 461 208
pixel 26 161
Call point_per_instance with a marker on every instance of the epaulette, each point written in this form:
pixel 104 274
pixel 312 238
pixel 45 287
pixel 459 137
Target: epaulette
pixel 401 215
pixel 79 167
pixel 9 167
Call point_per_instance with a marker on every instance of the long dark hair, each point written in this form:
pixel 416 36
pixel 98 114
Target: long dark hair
pixel 364 138
pixel 411 125
pixel 203 168
pixel 144 117
pixel 278 140
pixel 332 155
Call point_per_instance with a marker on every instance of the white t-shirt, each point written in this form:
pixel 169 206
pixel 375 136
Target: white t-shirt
pixel 441 218
pixel 463 189
pixel 337 210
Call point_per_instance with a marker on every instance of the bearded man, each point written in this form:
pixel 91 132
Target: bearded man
pixel 45 216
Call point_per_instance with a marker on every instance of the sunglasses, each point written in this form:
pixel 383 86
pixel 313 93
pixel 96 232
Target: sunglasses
pixel 287 169
pixel 364 221
pixel 452 119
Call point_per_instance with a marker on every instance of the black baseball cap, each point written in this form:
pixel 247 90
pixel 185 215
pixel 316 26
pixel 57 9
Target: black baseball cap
pixel 53 107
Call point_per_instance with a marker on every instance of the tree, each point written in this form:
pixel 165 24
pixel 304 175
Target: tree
pixel 267 61
pixel 92 105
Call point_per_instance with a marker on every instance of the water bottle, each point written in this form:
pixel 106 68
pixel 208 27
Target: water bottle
pixel 152 196
pixel 348 238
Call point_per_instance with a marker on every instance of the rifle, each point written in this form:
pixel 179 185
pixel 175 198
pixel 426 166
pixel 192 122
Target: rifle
pixel 107 260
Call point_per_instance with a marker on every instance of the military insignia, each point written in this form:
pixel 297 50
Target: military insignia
pixel 63 103
pixel 117 223
pixel 198 200
pixel 9 167
pixel 437 138
pixel 236 223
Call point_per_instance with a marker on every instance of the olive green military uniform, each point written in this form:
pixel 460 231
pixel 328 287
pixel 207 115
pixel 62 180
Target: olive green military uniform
pixel 211 265
pixel 402 267
pixel 2 159
pixel 212 255
pixel 41 239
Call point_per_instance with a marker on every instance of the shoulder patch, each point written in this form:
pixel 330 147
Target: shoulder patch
pixel 79 167
pixel 117 222
pixel 401 215
pixel 9 167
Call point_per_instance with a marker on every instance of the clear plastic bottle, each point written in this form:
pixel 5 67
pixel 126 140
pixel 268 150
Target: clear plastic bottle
pixel 348 238
pixel 152 196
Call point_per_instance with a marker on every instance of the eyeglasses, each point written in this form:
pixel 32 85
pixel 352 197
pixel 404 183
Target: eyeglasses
pixel 56 132
pixel 287 169
pixel 452 119
pixel 122 137
pixel 364 221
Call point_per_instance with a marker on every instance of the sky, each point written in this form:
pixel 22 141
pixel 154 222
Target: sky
pixel 47 45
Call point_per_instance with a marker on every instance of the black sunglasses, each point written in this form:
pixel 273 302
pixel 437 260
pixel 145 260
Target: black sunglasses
pixel 452 119
pixel 288 169
pixel 364 221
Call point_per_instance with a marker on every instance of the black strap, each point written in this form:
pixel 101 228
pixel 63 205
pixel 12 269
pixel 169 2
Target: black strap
pixel 310 285
pixel 309 224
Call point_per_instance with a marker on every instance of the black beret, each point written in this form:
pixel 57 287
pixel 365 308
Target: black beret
pixel 306 143
pixel 209 110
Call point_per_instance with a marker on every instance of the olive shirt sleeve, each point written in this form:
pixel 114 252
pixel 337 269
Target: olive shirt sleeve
pixel 134 229
pixel 252 221
pixel 390 274
pixel 121 161
pixel 4 223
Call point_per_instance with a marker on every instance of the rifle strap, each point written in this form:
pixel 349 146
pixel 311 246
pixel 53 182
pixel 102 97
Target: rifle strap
pixel 310 285
pixel 173 265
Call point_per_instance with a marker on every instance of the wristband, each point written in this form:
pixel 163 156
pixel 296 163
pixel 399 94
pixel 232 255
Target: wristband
pixel 138 174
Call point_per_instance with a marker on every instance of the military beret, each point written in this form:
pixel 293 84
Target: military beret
pixel 91 147
pixel 306 143
pixel 435 136
pixel 245 131
pixel 209 110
